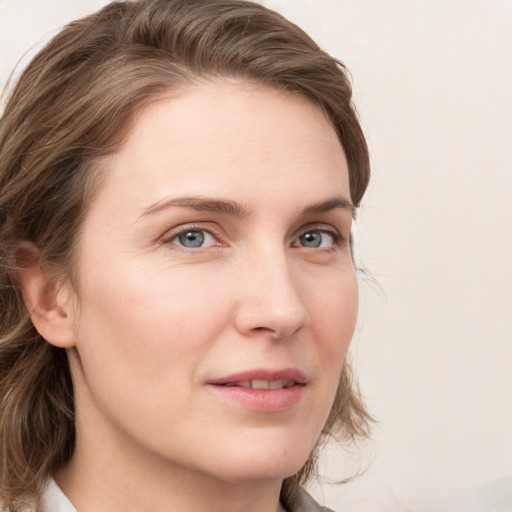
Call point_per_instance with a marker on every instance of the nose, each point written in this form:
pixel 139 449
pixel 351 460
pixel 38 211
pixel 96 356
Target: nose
pixel 270 300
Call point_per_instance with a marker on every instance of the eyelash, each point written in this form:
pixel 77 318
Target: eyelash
pixel 337 238
pixel 182 230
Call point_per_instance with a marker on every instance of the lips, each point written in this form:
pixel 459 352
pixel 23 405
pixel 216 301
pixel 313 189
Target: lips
pixel 262 389
pixel 262 374
pixel 262 384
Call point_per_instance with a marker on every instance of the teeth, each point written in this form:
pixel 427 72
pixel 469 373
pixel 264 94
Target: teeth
pixel 276 384
pixel 260 384
pixel 263 384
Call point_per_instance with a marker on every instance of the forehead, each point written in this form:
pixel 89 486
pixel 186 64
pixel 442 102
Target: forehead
pixel 220 111
pixel 227 138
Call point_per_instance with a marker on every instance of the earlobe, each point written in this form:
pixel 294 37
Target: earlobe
pixel 47 298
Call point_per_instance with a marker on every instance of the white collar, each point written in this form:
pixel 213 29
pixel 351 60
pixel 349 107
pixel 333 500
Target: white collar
pixel 54 500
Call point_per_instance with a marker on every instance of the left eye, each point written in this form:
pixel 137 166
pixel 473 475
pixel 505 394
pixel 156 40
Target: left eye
pixel 193 239
pixel 316 239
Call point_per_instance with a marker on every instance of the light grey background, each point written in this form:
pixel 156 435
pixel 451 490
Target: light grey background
pixel 433 82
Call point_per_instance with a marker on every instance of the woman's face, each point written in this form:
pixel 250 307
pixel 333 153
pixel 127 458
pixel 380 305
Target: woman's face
pixel 213 264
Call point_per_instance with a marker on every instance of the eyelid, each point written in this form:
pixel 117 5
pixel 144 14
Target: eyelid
pixel 171 234
pixel 323 228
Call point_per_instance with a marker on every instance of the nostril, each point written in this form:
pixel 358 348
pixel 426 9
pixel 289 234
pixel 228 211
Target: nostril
pixel 277 310
pixel 276 332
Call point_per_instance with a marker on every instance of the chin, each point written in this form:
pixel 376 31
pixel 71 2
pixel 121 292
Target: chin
pixel 253 472
pixel 258 461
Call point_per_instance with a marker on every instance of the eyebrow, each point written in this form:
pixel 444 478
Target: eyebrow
pixel 331 204
pixel 205 204
pixel 228 207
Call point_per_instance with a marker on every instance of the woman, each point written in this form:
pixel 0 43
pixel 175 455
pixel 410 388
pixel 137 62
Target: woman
pixel 178 181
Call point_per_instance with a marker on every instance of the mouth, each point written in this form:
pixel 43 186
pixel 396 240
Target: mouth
pixel 262 390
pixel 262 384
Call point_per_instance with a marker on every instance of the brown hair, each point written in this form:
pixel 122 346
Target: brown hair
pixel 72 106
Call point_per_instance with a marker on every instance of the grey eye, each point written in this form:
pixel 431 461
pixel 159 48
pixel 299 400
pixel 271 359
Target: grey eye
pixel 194 238
pixel 315 239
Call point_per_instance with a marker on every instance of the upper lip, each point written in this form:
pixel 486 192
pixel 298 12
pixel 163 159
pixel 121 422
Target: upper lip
pixel 262 374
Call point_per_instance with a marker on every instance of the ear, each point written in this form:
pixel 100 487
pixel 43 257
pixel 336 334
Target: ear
pixel 49 299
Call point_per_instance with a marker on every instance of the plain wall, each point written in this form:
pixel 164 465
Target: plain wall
pixel 433 351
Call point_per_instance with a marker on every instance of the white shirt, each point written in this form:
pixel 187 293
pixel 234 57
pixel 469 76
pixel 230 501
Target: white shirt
pixel 54 500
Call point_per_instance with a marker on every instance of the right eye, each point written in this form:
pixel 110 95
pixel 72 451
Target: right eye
pixel 193 239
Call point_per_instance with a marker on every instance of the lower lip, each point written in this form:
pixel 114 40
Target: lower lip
pixel 265 400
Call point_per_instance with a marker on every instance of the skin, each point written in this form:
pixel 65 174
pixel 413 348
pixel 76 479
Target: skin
pixel 152 322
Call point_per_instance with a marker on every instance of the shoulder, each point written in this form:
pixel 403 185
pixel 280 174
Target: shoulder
pixel 303 502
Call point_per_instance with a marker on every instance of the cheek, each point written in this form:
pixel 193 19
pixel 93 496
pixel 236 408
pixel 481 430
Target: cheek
pixel 334 309
pixel 141 333
pixel 139 310
pixel 143 341
pixel 336 313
